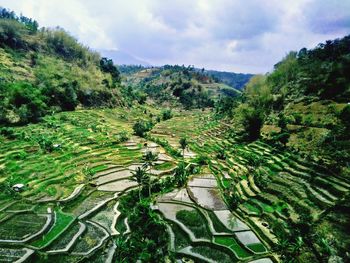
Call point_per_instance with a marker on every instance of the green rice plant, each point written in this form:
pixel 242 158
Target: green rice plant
pixel 195 222
pixel 257 248
pixel 218 226
pixel 230 242
pixel 62 222
pixel 214 254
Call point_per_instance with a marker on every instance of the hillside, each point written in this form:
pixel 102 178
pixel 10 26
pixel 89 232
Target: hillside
pixel 294 139
pixel 177 85
pixel 47 70
pixel 234 80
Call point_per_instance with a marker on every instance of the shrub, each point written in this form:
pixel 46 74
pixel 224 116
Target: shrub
pixel 258 93
pixel 189 218
pixel 225 105
pixel 261 178
pixel 142 245
pixel 107 66
pixel 252 120
pixel 26 101
pixel 141 127
pixel 66 46
pixel 282 138
pixel 8 132
pixel 233 199
pixel 140 97
pixel 202 160
pixel 6 189
pixel 166 114
pixel 63 96
pixel 123 136
pixel 46 144
pixel 221 154
pixel 345 116
pixel 96 98
pixel 252 159
pixel 297 118
pixel 11 33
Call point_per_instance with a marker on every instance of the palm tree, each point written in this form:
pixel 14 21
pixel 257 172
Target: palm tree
pixel 181 174
pixel 183 143
pixel 149 158
pixel 147 181
pixel 139 176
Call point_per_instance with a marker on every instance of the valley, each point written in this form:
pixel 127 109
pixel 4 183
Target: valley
pixel 70 202
pixel 101 162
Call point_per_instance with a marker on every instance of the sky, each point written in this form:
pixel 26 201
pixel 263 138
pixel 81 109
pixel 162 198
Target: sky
pixel 248 36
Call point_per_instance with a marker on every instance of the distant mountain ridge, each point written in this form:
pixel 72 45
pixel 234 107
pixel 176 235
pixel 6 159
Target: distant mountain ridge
pixel 177 85
pixel 235 80
pixel 232 79
pixel 122 58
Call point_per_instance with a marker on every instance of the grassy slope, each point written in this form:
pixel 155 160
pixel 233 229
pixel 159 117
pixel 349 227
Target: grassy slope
pixel 16 66
pixel 308 124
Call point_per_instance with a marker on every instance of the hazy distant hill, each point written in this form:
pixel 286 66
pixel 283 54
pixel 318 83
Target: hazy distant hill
pixel 235 80
pixel 187 85
pixel 122 58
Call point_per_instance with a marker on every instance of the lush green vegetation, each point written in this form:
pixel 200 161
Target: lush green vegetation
pixel 235 80
pixel 234 245
pixel 142 244
pixel 141 127
pixel 291 100
pixel 62 222
pixel 299 108
pixel 194 221
pixel 262 174
pixel 47 70
pixel 178 85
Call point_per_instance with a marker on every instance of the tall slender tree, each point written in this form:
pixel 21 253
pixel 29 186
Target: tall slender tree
pixel 138 176
pixel 183 143
pixel 181 174
pixel 149 158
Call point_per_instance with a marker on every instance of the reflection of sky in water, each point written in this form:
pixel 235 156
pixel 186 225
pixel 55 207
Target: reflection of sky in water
pixel 170 210
pixel 247 237
pixel 230 221
pixel 208 198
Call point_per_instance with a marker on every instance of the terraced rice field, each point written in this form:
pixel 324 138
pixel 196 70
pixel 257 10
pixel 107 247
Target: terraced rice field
pixel 68 209
pixel 202 227
pixel 295 186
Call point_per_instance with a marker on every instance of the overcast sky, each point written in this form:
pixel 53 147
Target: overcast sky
pixel 234 35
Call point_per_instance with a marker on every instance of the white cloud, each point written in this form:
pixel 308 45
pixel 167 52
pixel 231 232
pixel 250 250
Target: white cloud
pixel 243 36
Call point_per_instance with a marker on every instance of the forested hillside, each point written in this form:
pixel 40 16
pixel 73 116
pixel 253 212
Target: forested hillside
pixel 235 80
pixel 179 85
pixel 47 70
pixel 306 98
pixel 302 111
